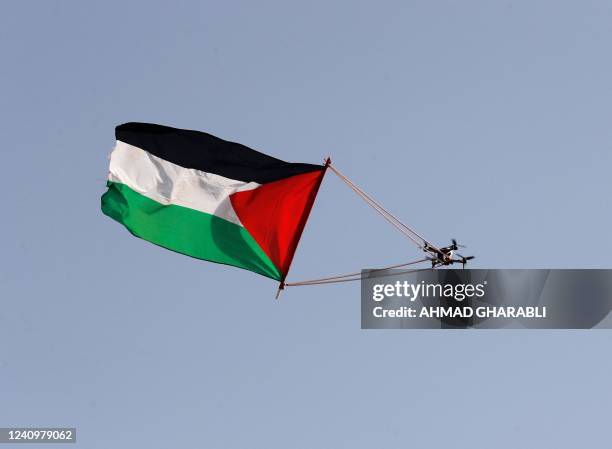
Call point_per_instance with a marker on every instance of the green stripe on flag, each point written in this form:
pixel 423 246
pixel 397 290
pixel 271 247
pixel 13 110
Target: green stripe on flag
pixel 186 231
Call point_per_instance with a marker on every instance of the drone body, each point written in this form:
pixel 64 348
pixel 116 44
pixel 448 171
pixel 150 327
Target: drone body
pixel 446 255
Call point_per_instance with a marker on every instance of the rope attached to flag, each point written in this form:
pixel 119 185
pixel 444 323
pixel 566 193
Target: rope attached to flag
pixel 355 276
pixel 419 240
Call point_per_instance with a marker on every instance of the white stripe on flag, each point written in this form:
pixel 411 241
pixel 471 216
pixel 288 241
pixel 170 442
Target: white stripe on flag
pixel 168 183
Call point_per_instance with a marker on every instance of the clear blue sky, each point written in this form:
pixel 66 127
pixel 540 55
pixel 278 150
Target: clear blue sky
pixel 140 347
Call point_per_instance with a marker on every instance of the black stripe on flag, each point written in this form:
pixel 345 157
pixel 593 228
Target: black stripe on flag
pixel 205 152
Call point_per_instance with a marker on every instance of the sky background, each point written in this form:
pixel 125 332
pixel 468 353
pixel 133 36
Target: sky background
pixel 488 121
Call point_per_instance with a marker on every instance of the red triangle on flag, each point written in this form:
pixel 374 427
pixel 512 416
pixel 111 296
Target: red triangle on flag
pixel 275 214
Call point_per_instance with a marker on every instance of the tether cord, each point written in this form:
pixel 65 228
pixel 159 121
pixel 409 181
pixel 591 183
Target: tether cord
pixel 403 228
pixel 331 279
pixel 313 282
pixel 386 215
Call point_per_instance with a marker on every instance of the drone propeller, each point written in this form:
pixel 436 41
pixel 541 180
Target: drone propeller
pixel 457 245
pixel 464 259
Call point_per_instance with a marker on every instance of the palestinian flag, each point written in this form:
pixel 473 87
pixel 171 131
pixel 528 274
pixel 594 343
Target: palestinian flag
pixel 208 198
